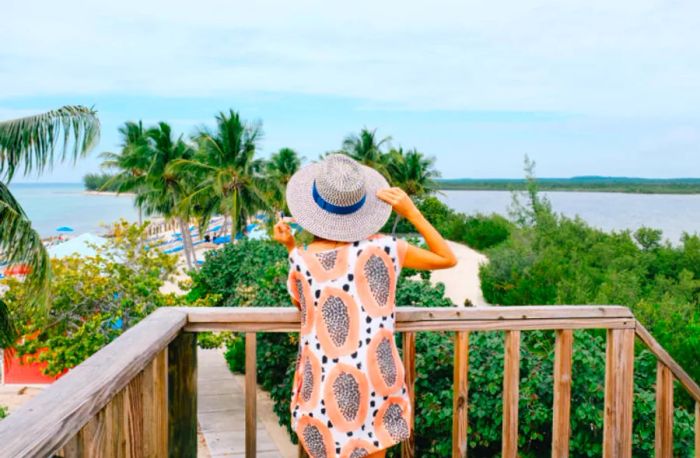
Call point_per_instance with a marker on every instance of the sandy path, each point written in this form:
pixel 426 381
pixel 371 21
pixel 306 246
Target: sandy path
pixel 462 281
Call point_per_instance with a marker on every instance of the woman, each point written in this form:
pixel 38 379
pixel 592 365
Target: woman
pixel 349 397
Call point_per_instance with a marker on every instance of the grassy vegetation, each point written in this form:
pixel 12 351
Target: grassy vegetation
pixel 581 184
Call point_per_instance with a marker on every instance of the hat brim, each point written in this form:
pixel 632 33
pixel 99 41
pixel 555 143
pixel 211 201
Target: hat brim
pixel 359 225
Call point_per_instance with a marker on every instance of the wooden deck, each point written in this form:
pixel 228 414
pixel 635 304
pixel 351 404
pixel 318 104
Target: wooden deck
pixel 139 395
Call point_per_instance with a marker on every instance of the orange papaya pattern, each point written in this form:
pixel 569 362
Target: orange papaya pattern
pixel 349 396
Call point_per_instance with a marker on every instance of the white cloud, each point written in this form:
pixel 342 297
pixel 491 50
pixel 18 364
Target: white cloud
pixel 624 57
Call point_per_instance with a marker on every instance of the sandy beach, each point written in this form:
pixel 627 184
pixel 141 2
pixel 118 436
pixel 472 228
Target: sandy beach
pixel 462 281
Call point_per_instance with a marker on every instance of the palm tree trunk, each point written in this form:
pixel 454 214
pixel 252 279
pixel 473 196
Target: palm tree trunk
pixel 183 229
pixel 190 245
pixel 224 226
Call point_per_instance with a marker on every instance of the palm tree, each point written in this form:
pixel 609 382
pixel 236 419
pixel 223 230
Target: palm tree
pixel 131 163
pixel 163 188
pixel 280 168
pixel 366 148
pixel 30 145
pixel 411 171
pixel 231 179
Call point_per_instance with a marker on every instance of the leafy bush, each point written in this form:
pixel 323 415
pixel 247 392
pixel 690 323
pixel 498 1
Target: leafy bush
pixel 3 412
pixel 478 231
pixel 94 299
pixel 564 261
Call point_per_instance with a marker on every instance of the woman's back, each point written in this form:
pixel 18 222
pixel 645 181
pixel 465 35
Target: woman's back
pixel 349 397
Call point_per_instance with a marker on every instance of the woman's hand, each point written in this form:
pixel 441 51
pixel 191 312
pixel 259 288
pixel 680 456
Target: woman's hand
pixel 399 201
pixel 440 255
pixel 283 233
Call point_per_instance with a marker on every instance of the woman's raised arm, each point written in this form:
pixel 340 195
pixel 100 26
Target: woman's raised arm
pixel 440 255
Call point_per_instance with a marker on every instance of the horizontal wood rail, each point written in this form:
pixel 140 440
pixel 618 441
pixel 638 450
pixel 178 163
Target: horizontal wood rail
pixel 137 396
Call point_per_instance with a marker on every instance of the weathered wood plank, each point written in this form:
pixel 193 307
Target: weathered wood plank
pixel 663 356
pixel 182 396
pixel 663 437
pixel 73 448
pixel 434 325
pixel 511 394
pixel 408 447
pixel 133 416
pixel 115 436
pixel 49 420
pixel 92 438
pixel 250 394
pixel 411 313
pixel 561 421
pixel 619 373
pixel 155 406
pixel 291 315
pixel 460 395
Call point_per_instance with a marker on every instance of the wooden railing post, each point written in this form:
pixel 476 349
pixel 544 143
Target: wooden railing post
pixel 250 394
pixel 182 395
pixel 619 373
pixel 408 447
pixel 511 394
pixel 460 394
pixel 663 438
pixel 697 429
pixel 561 422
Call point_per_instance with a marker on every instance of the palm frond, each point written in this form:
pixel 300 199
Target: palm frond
pixel 33 143
pixel 8 332
pixel 21 244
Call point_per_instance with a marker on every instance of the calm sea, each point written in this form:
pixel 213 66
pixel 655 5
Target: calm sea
pixel 50 206
pixel 672 213
pixel 53 205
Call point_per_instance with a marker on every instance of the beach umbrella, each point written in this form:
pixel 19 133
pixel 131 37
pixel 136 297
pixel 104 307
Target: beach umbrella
pixel 64 229
pixel 215 228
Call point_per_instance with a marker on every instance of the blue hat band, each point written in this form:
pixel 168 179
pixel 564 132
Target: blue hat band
pixel 336 209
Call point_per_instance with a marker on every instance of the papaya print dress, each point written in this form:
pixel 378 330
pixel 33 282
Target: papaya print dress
pixel 349 396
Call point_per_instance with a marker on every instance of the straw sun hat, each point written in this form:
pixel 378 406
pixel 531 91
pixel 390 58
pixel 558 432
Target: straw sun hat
pixel 336 199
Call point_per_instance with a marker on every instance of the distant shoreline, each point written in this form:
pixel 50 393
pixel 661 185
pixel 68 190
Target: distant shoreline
pixel 578 184
pixel 108 193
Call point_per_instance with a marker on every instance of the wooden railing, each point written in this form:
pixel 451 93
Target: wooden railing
pixel 137 396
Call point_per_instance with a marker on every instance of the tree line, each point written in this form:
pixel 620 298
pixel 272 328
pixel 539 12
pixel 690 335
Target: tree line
pixel 220 171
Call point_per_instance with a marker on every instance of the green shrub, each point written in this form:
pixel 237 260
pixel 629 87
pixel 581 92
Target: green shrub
pixel 3 412
pixel 94 299
pixel 478 231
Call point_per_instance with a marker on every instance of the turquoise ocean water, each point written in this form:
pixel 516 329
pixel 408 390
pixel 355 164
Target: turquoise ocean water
pixel 53 205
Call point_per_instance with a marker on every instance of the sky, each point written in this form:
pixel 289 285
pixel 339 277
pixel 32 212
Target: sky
pixel 582 87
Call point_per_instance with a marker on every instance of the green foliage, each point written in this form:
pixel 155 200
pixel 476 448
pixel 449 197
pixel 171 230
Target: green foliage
pixel 3 412
pixel 94 299
pixel 478 231
pixel 210 340
pixel 100 182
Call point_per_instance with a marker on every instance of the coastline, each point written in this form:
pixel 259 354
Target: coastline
pixel 108 193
